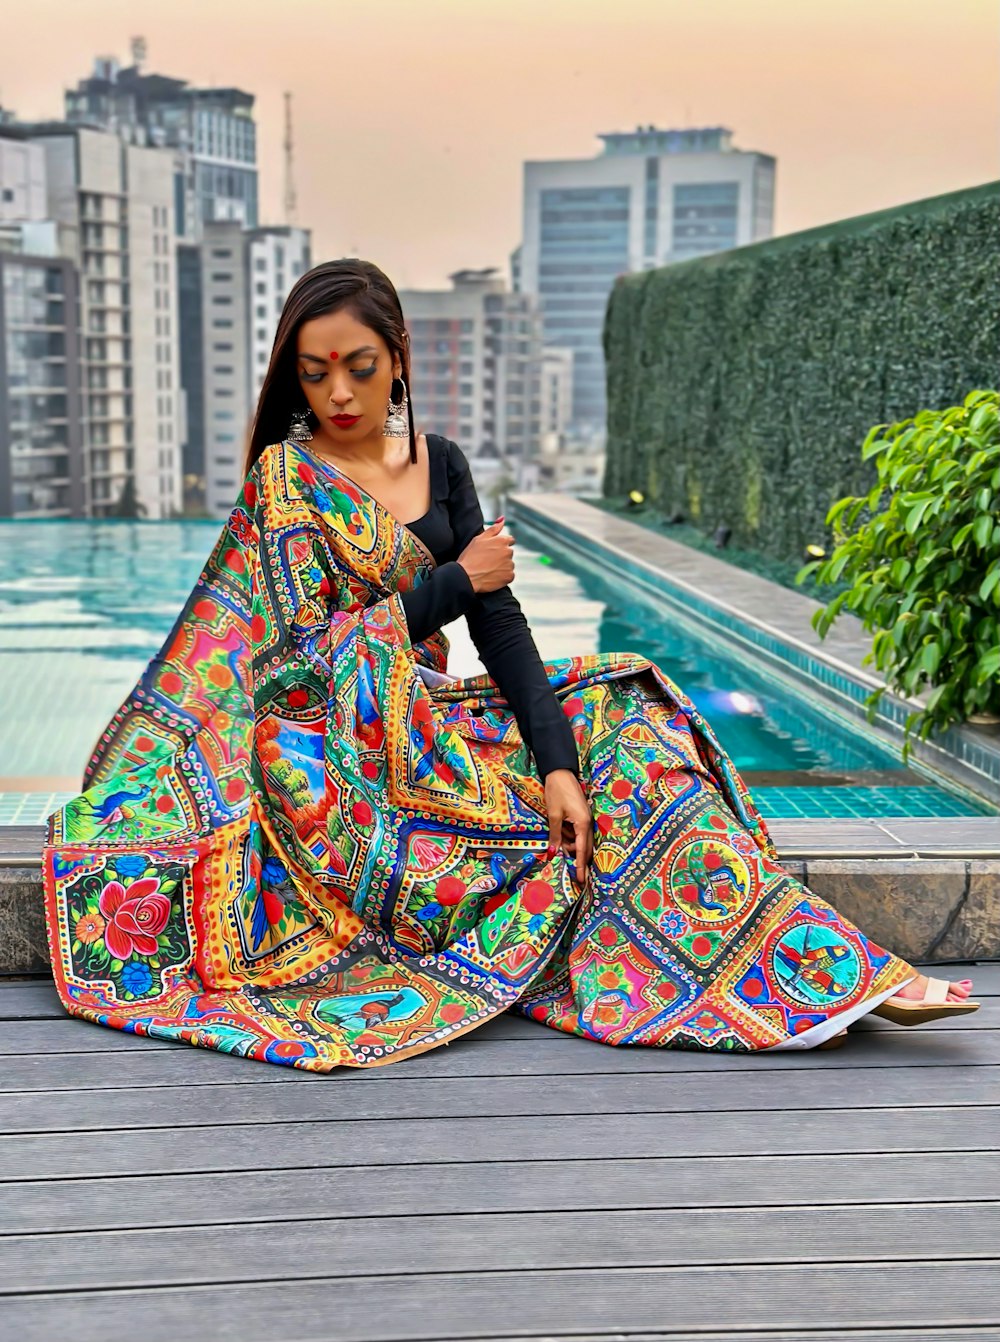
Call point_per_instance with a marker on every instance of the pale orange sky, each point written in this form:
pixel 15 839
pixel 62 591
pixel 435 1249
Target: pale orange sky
pixel 413 117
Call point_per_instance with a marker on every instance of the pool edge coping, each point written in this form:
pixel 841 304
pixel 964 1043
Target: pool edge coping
pixel 943 759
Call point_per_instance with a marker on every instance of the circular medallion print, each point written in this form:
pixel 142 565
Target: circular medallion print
pixel 709 881
pixel 815 966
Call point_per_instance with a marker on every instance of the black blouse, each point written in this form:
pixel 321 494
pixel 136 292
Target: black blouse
pixel 495 619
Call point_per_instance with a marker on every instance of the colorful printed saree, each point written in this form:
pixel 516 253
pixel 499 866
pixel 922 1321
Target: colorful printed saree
pixel 301 841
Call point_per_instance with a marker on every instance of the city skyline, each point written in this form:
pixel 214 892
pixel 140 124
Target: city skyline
pixel 505 85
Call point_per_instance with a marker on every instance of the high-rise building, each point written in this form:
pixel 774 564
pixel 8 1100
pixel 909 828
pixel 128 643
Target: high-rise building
pixel 556 390
pixel 22 177
pixel 41 456
pixel 212 132
pixel 111 202
pixel 475 353
pixel 212 138
pixel 225 325
pixel 652 197
pixel 276 257
pixel 244 278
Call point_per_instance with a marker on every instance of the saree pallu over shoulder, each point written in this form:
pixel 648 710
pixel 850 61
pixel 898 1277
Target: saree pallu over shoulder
pixel 290 846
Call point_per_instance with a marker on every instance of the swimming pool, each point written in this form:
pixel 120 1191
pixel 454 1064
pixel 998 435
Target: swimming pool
pixel 83 605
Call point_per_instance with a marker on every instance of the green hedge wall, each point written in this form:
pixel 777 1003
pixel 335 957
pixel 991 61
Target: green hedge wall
pixel 741 385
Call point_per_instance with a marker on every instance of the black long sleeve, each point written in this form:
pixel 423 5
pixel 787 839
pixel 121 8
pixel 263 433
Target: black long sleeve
pixel 444 595
pixel 503 639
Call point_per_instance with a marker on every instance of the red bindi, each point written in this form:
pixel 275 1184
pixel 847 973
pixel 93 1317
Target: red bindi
pixel 334 354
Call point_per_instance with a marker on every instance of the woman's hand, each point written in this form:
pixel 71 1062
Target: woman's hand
pixel 570 822
pixel 488 559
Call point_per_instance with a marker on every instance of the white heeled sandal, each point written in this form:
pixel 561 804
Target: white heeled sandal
pixel 932 1006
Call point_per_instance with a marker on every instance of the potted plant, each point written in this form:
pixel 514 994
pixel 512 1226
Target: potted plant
pixel 920 554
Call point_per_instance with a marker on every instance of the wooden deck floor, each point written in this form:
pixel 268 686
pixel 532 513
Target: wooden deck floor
pixel 516 1184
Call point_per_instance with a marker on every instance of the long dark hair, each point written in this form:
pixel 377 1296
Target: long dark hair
pixel 347 283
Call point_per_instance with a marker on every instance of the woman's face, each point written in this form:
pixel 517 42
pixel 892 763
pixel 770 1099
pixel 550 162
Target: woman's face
pixel 345 370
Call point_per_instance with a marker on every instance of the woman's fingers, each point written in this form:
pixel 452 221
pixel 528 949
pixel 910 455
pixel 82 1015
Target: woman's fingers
pixel 581 850
pixel 555 833
pixel 576 842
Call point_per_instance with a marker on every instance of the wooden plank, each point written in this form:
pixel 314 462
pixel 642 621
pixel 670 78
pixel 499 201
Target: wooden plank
pixel 28 998
pixel 70 1034
pixel 470 1097
pixel 418 1307
pixel 472 1057
pixel 388 1246
pixel 290 1145
pixel 986 973
pixel 30 1001
pixel 521 1185
pixel 23 999
pixel 933 1334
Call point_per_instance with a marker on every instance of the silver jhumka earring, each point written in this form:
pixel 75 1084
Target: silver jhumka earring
pixel 299 430
pixel 396 425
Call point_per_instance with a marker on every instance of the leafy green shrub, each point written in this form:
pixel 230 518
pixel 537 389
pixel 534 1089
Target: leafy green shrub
pixel 740 384
pixel 921 555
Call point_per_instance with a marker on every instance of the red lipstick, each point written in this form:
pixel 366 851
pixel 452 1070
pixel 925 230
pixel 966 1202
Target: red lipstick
pixel 344 421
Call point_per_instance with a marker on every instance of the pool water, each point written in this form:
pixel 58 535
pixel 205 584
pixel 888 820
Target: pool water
pixel 84 605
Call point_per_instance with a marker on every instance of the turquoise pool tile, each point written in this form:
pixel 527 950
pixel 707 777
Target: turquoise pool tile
pixel 828 803
pixel 30 808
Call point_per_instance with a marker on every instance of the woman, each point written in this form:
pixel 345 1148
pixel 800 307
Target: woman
pixel 301 841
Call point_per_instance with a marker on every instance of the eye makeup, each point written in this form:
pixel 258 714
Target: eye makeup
pixel 357 372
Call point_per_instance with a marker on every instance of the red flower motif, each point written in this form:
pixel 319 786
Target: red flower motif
pixel 450 890
pixel 135 916
pixel 537 896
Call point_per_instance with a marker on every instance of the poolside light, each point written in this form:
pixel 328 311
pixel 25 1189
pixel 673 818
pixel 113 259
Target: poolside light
pixel 720 537
pixel 744 703
pixel 815 552
pixel 636 497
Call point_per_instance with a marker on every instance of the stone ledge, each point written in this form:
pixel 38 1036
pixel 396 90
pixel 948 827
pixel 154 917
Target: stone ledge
pixel 930 909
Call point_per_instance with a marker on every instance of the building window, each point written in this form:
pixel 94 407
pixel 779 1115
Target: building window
pixel 704 218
